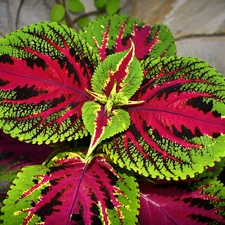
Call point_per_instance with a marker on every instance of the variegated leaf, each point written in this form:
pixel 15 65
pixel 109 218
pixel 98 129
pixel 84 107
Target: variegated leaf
pixel 121 70
pixel 68 191
pixel 115 80
pixel 44 70
pixel 112 34
pixel 180 127
pixel 102 126
pixel 15 154
pixel 179 204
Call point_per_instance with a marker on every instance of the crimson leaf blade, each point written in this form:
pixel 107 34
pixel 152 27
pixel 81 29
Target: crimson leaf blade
pixel 180 127
pixel 122 69
pixel 47 197
pixel 15 154
pixel 179 204
pixel 44 70
pixel 112 34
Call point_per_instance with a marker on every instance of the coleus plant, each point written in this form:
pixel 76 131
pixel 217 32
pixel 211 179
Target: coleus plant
pixel 135 132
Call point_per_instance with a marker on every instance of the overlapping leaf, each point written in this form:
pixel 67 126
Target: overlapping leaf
pixel 121 70
pixel 100 125
pixel 44 70
pixel 68 191
pixel 178 204
pixel 180 127
pixel 114 34
pixel 114 82
pixel 15 154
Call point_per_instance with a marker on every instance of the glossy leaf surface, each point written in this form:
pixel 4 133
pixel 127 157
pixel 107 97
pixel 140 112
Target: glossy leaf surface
pixel 113 34
pixel 44 70
pixel 180 127
pixel 68 191
pixel 177 204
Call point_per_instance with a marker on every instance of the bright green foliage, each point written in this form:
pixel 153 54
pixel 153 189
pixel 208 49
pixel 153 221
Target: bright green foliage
pixel 214 191
pixel 114 82
pixel 84 21
pixel 57 13
pixel 19 44
pixel 16 208
pixel 128 77
pixel 75 5
pixel 128 199
pixel 100 4
pixel 112 6
pixel 169 137
pixel 110 32
pixel 102 126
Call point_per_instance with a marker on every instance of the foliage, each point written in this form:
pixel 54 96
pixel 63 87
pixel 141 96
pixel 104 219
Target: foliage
pixel 136 134
pixel 62 11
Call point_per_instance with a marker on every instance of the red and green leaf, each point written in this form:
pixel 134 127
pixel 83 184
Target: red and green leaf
pixel 112 34
pixel 180 127
pixel 68 191
pixel 121 68
pixel 179 204
pixel 115 80
pixel 15 154
pixel 44 70
pixel 102 126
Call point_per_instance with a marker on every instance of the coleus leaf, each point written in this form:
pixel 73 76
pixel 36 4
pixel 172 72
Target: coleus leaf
pixel 112 34
pixel 115 80
pixel 180 127
pixel 55 194
pixel 179 204
pixel 44 70
pixel 100 125
pixel 15 154
pixel 121 68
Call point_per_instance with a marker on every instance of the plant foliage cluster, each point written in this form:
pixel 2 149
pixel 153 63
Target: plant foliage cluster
pixel 112 126
pixel 62 10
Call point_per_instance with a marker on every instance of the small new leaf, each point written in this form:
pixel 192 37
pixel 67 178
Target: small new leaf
pixel 101 125
pixel 122 68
